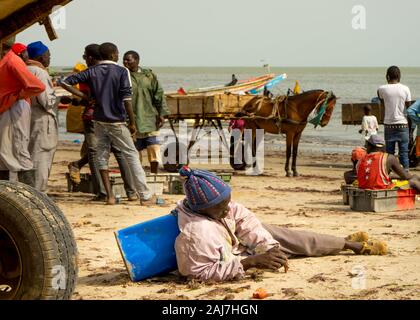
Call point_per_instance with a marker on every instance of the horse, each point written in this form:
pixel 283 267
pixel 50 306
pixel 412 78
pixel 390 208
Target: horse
pixel 287 115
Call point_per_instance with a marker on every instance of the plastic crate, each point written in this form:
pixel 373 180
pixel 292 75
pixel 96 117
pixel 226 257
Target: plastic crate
pixel 382 200
pixel 225 176
pixel 345 190
pixel 87 185
pixel 175 186
pixel 155 185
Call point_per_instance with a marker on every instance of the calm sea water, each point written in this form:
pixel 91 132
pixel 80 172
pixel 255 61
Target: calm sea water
pixel 349 84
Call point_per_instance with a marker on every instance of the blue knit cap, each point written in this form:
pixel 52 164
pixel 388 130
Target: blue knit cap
pixel 36 49
pixel 203 189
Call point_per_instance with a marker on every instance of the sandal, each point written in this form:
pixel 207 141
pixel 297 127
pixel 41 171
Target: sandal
pixel 374 247
pixel 74 173
pixel 360 236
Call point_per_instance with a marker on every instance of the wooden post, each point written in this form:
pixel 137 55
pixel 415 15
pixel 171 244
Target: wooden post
pixel 52 35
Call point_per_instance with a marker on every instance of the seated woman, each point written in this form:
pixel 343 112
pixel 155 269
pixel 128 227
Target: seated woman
pixel 373 171
pixel 221 239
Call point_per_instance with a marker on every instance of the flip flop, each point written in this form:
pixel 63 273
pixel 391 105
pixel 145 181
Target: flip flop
pixel 360 236
pixel 374 247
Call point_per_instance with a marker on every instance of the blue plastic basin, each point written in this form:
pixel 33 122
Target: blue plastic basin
pixel 148 248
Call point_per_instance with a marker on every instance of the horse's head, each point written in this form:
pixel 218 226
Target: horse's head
pixel 331 101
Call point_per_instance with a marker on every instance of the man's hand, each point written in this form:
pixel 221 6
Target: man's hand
pixel 160 121
pixel 273 259
pixel 133 130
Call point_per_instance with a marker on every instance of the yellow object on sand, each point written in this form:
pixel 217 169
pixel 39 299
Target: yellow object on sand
pixel 374 247
pixel 360 236
pixel 297 90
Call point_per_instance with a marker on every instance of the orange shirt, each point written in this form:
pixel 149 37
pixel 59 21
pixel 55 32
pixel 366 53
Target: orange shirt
pixel 16 81
pixel 372 172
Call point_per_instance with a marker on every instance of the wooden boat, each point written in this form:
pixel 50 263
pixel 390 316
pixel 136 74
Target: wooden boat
pixel 269 84
pixel 240 87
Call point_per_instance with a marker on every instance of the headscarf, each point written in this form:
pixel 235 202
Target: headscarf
pixel 36 49
pixel 358 154
pixel 18 48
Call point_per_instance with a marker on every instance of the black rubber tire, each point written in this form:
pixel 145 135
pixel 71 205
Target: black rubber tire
pixel 44 240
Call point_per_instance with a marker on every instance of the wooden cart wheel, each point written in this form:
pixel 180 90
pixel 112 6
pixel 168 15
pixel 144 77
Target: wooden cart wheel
pixel 175 155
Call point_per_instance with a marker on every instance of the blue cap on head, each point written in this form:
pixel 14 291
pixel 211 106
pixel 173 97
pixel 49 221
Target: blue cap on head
pixel 376 140
pixel 36 49
pixel 203 189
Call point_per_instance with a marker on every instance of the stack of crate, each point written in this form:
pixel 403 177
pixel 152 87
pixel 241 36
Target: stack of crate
pixel 170 183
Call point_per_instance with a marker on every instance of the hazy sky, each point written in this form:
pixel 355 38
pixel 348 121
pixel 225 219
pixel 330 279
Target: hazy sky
pixel 241 32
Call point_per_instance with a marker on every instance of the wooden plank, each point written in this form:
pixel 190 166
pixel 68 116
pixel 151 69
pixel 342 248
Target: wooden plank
pixel 352 113
pixel 221 105
pixel 10 6
pixel 23 18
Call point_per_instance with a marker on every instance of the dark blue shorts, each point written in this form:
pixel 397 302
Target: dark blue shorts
pixel 143 143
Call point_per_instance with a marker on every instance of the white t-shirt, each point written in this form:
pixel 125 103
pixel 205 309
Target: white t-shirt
pixel 370 124
pixel 394 96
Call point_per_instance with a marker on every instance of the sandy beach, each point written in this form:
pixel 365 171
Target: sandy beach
pixel 312 201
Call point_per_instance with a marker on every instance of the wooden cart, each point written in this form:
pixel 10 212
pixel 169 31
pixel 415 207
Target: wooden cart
pixel 352 113
pixel 206 112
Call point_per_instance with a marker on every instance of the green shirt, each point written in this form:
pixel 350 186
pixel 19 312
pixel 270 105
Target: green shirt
pixel 148 100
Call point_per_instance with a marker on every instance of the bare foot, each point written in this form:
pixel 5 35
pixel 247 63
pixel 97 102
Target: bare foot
pixel 110 201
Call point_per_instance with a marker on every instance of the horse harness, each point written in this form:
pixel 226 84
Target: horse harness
pixel 276 112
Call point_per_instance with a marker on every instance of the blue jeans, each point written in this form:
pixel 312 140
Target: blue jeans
pixel 398 136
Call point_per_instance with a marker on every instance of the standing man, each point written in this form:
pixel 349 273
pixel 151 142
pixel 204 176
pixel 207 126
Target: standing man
pixel 44 124
pixel 394 95
pixel 414 114
pixel 110 87
pixel 92 57
pixel 17 86
pixel 150 108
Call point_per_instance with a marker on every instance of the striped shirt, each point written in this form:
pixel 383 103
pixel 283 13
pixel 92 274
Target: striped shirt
pixel 110 86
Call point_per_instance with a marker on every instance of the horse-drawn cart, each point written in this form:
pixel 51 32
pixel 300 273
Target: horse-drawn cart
pixel 283 114
pixel 206 112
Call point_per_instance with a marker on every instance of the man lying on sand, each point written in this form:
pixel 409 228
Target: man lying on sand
pixel 221 239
